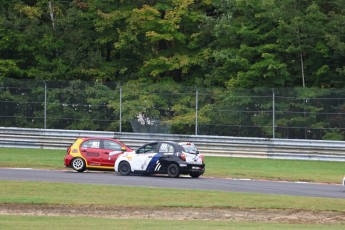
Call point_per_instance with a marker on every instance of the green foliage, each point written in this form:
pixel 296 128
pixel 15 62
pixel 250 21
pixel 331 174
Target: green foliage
pixel 171 45
pixel 215 43
pixel 82 105
pixel 335 135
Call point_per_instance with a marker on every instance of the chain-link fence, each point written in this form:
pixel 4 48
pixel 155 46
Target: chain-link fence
pixel 293 113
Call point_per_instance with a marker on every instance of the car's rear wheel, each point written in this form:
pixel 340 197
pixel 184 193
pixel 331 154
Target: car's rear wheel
pixel 195 175
pixel 124 168
pixel 173 170
pixel 78 164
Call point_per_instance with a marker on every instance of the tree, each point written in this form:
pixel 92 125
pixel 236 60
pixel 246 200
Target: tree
pixel 306 29
pixel 82 105
pixel 246 50
pixel 160 39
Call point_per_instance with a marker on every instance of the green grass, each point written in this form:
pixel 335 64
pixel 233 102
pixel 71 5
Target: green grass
pixel 31 193
pixel 19 192
pixel 66 223
pixel 44 193
pixel 32 158
pixel 272 169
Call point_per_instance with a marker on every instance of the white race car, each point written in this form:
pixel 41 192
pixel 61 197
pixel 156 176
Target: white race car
pixel 162 157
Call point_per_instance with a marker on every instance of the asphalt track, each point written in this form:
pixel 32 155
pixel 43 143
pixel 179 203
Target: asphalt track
pixel 202 183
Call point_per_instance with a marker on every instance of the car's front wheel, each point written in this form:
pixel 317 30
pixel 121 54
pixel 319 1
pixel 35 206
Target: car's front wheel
pixel 78 164
pixel 124 168
pixel 173 170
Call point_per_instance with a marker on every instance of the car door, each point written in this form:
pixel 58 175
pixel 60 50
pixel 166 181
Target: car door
pixel 109 152
pixel 166 152
pixel 143 157
pixel 91 151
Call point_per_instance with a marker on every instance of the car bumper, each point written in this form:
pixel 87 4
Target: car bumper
pixel 192 168
pixel 67 160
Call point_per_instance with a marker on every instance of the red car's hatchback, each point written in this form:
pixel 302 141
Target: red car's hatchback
pixel 94 153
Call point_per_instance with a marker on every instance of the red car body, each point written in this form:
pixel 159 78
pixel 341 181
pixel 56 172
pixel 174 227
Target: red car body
pixel 94 153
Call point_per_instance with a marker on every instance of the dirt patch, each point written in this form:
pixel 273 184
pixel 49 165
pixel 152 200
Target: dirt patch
pixel 177 213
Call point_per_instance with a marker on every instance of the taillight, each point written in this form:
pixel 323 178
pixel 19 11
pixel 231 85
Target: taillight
pixel 183 156
pixel 68 150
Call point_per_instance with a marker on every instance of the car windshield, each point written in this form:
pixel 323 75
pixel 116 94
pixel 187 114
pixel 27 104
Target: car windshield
pixel 189 148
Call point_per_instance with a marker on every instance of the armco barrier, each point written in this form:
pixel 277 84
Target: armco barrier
pixel 208 145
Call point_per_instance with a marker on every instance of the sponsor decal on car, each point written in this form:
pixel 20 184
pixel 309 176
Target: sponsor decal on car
pixel 158 166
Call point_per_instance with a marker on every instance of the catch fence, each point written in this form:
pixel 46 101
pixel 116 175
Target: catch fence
pixel 169 108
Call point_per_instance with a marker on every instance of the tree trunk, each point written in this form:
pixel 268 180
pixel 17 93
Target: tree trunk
pixel 51 12
pixel 302 68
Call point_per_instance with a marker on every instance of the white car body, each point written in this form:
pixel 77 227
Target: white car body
pixel 158 159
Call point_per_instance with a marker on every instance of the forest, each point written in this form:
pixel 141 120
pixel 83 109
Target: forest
pixel 218 45
pixel 227 43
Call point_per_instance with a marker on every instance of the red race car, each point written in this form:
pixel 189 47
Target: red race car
pixel 94 153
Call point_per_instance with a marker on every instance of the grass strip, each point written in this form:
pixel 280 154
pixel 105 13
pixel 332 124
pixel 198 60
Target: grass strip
pixel 78 194
pixel 71 223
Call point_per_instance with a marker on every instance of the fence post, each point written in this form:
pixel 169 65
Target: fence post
pixel 196 110
pixel 273 115
pixel 120 125
pixel 45 105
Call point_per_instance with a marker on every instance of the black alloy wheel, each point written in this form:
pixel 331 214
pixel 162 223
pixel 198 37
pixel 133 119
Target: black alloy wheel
pixel 173 170
pixel 124 168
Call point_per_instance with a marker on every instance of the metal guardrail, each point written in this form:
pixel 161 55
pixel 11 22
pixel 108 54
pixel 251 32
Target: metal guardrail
pixel 208 145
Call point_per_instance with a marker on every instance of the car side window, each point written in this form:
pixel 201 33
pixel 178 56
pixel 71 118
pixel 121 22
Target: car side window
pixel 111 145
pixel 166 148
pixel 95 144
pixel 150 148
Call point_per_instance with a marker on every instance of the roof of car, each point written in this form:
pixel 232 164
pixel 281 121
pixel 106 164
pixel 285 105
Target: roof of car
pixel 101 138
pixel 171 142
